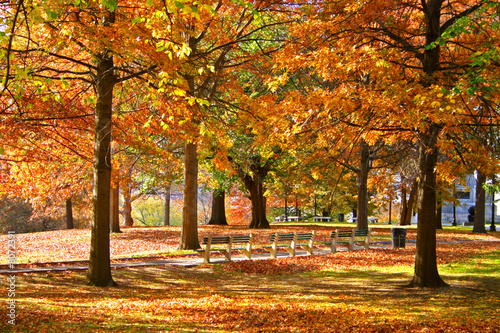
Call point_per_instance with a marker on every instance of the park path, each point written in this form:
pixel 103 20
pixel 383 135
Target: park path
pixel 189 260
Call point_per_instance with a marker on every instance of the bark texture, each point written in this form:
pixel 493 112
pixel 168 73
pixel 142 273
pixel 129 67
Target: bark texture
pixel 166 215
pixel 115 209
pixel 189 230
pixel 128 221
pixel 99 273
pixel 479 218
pixel 218 208
pixel 364 169
pixel 426 272
pixel 439 220
pixel 69 214
pixel 407 204
pixel 256 189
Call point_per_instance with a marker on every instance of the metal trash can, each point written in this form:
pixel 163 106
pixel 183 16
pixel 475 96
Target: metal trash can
pixel 341 217
pixel 398 237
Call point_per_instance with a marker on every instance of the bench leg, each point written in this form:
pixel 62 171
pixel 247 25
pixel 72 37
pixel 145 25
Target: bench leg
pixel 272 251
pixel 226 254
pixel 247 253
pixel 206 256
pixel 308 249
pixel 333 247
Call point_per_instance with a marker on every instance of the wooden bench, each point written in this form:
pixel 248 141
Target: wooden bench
pixel 224 245
pixel 362 237
pixel 290 242
pixel 348 238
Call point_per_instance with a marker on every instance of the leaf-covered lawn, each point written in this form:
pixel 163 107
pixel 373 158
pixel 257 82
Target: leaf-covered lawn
pixel 68 245
pixel 363 298
pixel 358 291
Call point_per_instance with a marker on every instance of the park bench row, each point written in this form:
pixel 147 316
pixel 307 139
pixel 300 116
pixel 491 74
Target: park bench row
pixel 288 241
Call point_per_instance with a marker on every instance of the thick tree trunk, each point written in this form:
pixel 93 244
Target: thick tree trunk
pixel 218 208
pixel 256 189
pixel 189 230
pixel 426 272
pixel 115 209
pixel 166 216
pixel 69 214
pixel 479 218
pixel 364 169
pixel 99 272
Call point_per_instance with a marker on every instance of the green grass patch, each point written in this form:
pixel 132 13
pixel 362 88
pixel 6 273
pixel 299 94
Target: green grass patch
pixel 480 265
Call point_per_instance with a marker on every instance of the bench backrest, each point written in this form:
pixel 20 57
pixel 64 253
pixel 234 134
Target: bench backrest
pixel 242 238
pixel 217 240
pixel 282 237
pixel 341 233
pixel 227 239
pixel 305 236
pixel 360 232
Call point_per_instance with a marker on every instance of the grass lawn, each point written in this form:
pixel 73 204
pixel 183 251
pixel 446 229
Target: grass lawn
pixel 358 291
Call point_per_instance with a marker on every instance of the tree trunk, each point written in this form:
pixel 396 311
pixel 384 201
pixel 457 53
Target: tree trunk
pixel 69 214
pixel 218 208
pixel 128 221
pixel 493 228
pixel 364 169
pixel 189 230
pixel 115 209
pixel 426 273
pixel 286 206
pixel 404 206
pixel 479 218
pixel 166 216
pixel 407 205
pixel 256 189
pixel 99 272
pixel 439 214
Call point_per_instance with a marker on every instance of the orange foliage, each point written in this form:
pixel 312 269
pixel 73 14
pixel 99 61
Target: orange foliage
pixel 238 208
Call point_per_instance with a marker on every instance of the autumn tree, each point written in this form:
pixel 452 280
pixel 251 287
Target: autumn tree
pixel 87 49
pixel 227 37
pixel 423 82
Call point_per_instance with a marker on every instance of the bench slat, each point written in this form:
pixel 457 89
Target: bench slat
pixel 362 232
pixel 241 239
pixel 282 237
pixel 344 233
pixel 305 236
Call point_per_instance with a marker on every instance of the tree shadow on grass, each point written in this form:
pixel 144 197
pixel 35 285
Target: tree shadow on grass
pixel 205 299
